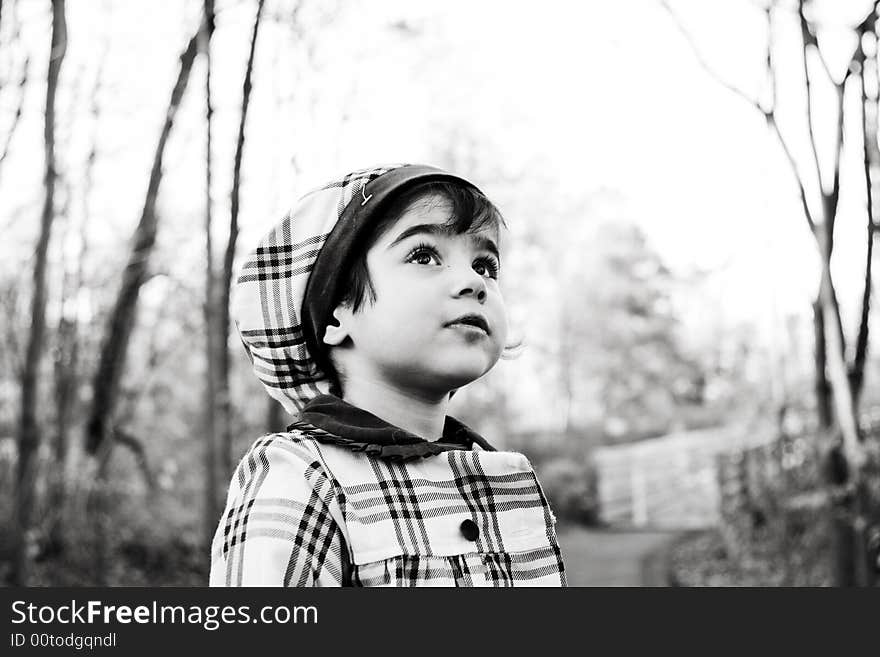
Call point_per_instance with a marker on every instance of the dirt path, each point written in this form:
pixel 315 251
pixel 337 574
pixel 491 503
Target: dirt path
pixel 614 557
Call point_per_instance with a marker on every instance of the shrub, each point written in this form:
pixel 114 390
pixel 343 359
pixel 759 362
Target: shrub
pixel 570 486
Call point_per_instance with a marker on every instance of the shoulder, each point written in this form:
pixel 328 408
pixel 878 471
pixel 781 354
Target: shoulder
pixel 281 455
pixel 282 524
pixel 291 445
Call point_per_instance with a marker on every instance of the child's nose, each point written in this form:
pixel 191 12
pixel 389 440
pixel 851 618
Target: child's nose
pixel 472 285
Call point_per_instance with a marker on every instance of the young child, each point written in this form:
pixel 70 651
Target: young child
pixel 362 312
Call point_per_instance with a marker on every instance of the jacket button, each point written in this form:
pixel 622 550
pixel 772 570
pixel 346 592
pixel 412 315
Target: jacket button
pixel 470 530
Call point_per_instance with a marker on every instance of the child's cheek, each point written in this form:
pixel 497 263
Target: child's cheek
pixel 502 310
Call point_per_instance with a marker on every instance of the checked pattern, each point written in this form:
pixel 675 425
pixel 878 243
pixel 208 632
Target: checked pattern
pixel 274 276
pixel 303 513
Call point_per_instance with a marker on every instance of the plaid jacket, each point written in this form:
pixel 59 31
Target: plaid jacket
pixel 302 511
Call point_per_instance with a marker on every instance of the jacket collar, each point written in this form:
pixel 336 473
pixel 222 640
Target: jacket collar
pixel 329 419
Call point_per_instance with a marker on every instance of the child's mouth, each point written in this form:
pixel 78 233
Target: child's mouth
pixel 471 321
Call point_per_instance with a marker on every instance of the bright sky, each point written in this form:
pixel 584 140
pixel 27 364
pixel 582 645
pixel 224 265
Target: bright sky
pixel 567 99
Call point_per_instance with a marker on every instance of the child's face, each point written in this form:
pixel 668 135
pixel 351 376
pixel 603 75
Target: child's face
pixel 433 291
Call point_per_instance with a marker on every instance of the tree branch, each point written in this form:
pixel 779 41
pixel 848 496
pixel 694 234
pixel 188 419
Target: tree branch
pixel 22 85
pixel 771 122
pixel 770 117
pixel 808 33
pixel 807 39
pixel 855 64
pixel 831 198
pixel 120 323
pixel 705 64
pixel 223 320
pixel 871 164
pixel 137 448
pixel 768 113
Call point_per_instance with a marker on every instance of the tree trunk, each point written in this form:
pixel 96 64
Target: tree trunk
pixel 28 431
pixel 226 283
pixel 66 364
pixel 852 511
pixel 67 360
pixel 97 511
pixel 105 384
pixel 821 386
pixel 211 511
pixel 871 169
pixel 846 481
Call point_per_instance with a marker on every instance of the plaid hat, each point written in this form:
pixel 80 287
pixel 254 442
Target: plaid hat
pixel 281 301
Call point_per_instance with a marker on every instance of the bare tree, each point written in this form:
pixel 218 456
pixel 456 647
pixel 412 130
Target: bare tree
pixel 847 456
pixel 226 282
pixel 101 431
pixel 22 88
pixel 29 432
pixel 211 510
pixel 65 355
pixel 105 383
pixel 69 340
pixel 866 60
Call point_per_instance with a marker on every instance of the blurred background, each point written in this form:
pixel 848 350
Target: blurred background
pixel 691 190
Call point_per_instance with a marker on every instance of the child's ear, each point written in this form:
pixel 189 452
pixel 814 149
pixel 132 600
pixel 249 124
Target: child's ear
pixel 335 334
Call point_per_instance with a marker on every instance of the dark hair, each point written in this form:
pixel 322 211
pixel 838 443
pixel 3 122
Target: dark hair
pixel 470 211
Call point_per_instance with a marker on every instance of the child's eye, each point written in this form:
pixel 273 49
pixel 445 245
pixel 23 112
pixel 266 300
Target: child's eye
pixel 486 267
pixel 423 254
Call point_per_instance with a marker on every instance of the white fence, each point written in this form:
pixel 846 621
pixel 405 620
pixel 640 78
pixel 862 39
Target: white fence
pixel 669 482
